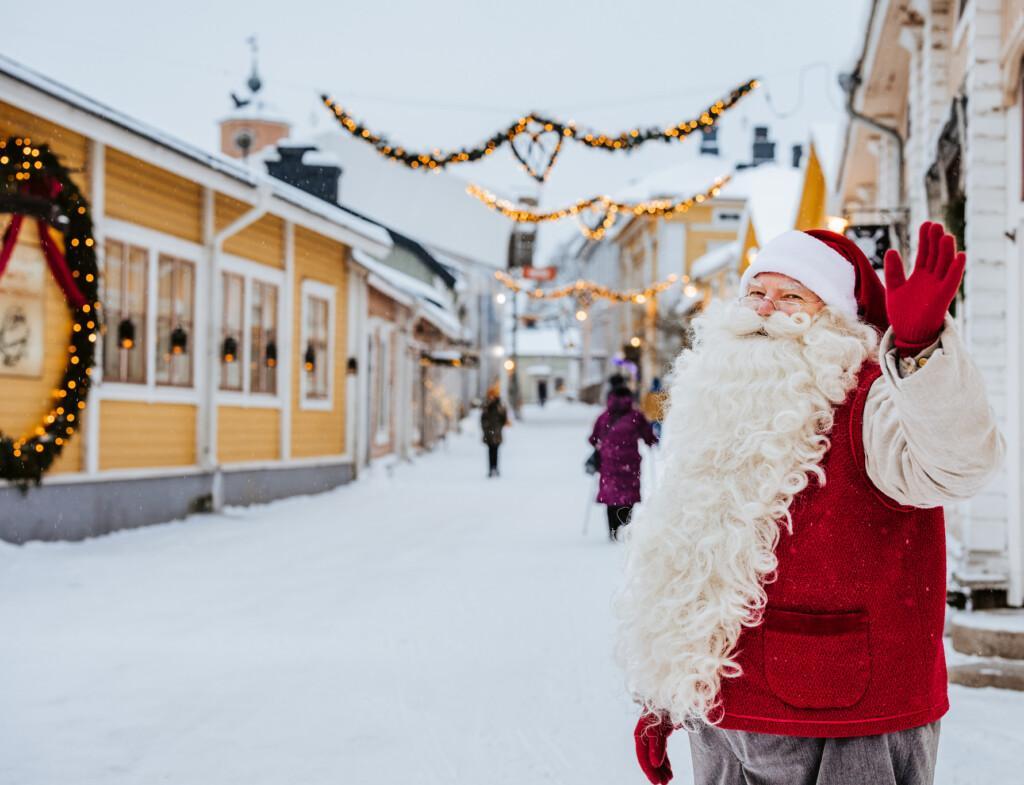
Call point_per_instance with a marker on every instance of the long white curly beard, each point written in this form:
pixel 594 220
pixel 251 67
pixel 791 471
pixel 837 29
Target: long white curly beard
pixel 751 406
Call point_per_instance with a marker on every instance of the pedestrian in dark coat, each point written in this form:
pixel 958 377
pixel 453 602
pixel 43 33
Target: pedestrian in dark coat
pixel 493 419
pixel 616 433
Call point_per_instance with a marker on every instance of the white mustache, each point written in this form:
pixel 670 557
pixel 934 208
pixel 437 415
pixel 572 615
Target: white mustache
pixel 743 321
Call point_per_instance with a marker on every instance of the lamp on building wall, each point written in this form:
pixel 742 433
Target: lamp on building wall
pixel 581 315
pixel 310 358
pixel 179 340
pixel 229 350
pixel 836 223
pixel 352 366
pixel 271 354
pixel 690 290
pixel 126 334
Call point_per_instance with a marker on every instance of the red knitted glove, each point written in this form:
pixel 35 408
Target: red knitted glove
pixel 917 305
pixel 651 734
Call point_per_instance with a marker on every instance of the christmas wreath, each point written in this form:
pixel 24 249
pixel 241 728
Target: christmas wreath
pixel 34 184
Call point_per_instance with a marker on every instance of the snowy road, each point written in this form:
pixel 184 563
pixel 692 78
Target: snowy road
pixel 431 626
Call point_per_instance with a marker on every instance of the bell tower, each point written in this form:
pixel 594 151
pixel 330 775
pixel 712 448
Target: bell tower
pixel 253 124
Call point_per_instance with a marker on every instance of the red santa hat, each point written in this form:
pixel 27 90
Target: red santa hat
pixel 830 265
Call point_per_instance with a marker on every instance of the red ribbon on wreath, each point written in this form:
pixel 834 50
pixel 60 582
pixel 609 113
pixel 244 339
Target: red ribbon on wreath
pixel 55 258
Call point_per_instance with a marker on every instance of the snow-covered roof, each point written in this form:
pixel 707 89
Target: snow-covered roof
pixel 222 164
pixel 443 320
pixel 828 144
pixel 772 194
pixel 715 260
pixel 397 278
pixel 546 342
pixel 423 296
pixel 693 177
pixel 258 109
pixel 539 370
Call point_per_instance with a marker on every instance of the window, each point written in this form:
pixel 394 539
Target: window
pixel 726 218
pixel 232 313
pixel 263 339
pixel 124 302
pixel 175 321
pixel 315 353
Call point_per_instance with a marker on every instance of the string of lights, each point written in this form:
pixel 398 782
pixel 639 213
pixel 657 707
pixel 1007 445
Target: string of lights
pixel 607 208
pixel 536 127
pixel 586 292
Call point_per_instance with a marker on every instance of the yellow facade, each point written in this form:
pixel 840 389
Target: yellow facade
pixel 142 194
pixel 320 433
pixel 248 434
pixel 147 426
pixel 262 241
pixel 814 195
pixel 138 435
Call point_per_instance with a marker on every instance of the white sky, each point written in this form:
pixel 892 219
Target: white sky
pixel 440 73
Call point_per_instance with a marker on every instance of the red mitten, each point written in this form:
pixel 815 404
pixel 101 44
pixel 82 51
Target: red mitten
pixel 917 306
pixel 651 735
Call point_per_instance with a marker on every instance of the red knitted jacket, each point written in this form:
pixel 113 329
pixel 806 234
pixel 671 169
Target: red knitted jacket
pixel 851 642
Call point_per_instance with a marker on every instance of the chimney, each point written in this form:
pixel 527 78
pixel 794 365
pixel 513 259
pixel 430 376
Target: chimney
pixel 320 180
pixel 709 141
pixel 798 154
pixel 763 149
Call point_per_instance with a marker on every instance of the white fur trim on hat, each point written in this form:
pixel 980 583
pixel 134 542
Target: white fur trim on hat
pixel 806 259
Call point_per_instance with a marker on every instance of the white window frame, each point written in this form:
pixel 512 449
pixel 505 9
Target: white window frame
pixel 383 363
pixel 250 271
pixel 328 292
pixel 157 243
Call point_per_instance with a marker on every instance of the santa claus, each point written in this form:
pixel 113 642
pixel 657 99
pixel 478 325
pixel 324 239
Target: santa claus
pixel 784 592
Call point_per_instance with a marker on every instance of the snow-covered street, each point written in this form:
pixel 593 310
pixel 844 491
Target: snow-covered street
pixel 424 625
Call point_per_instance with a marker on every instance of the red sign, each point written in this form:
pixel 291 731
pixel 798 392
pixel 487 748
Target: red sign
pixel 540 273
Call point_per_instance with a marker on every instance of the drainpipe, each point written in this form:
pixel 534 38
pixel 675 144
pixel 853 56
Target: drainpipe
pixel 214 242
pixel 849 83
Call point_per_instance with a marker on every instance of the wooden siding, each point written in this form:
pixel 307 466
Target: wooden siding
pixel 320 433
pixel 136 435
pixel 261 241
pixel 72 149
pixel 143 194
pixel 26 400
pixel 248 434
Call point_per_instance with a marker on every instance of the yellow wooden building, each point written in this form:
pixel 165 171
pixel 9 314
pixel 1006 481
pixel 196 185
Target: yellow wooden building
pixel 224 374
pixel 707 248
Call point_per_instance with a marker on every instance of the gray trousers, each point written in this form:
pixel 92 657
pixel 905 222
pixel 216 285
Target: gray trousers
pixel 731 757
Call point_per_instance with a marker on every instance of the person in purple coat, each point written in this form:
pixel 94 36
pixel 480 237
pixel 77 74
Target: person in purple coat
pixel 616 433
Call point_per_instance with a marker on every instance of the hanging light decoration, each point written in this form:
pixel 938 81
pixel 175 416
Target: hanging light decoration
pixel 310 358
pixel 179 340
pixel 126 334
pixel 229 350
pixel 271 354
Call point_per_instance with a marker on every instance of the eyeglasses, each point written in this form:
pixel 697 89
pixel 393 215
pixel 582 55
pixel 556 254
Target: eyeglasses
pixel 790 303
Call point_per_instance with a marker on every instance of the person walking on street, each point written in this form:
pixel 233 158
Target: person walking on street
pixel 785 584
pixel 493 419
pixel 615 436
pixel 653 405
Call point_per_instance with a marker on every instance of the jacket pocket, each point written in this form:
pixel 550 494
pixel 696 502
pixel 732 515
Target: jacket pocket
pixel 817 660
